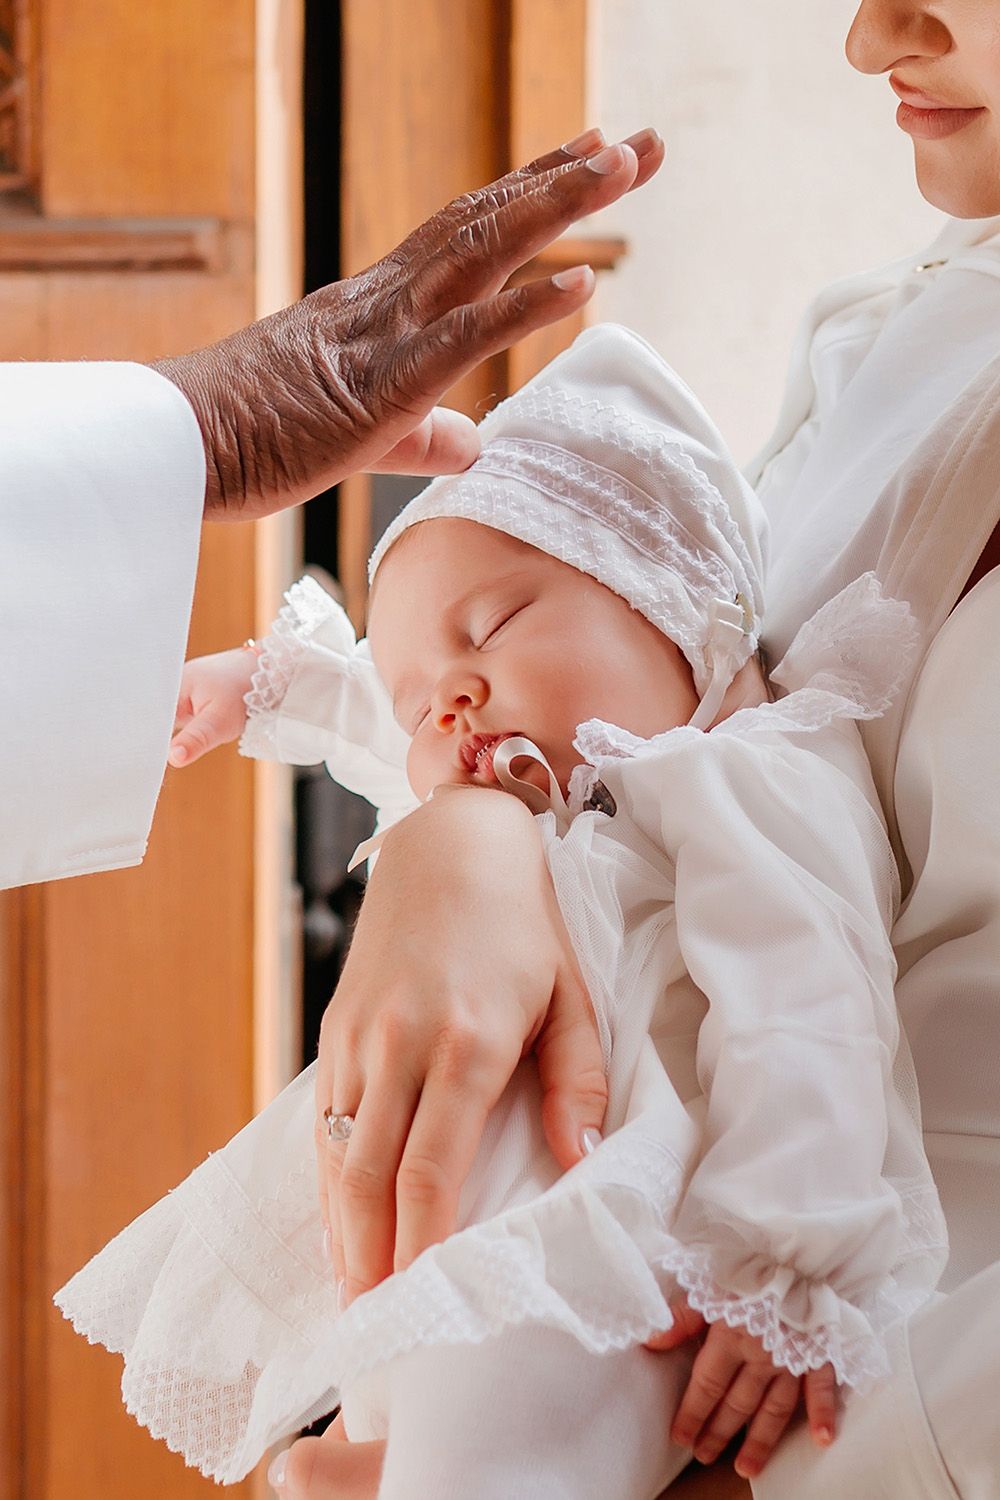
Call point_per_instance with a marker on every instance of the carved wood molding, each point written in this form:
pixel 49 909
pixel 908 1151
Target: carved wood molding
pixel 16 166
pixel 31 242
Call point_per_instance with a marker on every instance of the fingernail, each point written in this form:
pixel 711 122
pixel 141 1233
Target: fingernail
pixel 643 140
pixel 341 1294
pixel 590 1140
pixel 745 1468
pixel 607 161
pixel 824 1435
pixel 328 1245
pixel 276 1473
pixel 177 756
pixel 571 280
pixel 584 144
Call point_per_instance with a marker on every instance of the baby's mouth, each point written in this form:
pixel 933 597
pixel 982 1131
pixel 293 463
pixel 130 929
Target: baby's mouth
pixel 477 752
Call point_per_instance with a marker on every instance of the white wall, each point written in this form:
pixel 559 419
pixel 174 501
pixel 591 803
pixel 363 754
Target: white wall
pixel 785 169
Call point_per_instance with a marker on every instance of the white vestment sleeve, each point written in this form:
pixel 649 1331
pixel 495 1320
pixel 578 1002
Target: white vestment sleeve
pixel 102 487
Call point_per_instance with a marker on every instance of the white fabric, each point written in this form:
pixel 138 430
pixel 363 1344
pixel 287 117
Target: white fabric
pixel 763 1148
pixel 609 462
pixel 102 477
pixel 886 457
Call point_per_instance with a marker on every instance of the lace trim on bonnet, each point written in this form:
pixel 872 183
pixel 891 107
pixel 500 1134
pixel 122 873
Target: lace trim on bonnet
pixel 597 508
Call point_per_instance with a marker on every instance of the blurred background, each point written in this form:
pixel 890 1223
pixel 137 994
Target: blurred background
pixel 168 172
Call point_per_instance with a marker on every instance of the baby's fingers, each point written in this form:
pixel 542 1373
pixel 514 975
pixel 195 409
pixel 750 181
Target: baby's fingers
pixel 199 735
pixel 821 1405
pixel 773 1416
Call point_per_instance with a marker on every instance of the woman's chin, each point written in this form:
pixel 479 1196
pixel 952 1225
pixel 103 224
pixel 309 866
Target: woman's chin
pixel 963 196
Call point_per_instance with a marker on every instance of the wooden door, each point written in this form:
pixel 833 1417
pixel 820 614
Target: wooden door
pixel 137 218
pixel 440 96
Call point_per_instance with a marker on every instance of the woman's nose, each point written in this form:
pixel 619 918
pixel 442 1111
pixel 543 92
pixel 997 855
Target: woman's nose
pixel 887 32
pixel 455 696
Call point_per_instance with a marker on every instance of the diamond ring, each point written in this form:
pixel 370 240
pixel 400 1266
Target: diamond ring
pixel 338 1127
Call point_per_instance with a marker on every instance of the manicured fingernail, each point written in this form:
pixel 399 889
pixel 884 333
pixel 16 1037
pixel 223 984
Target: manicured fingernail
pixel 643 140
pixel 607 161
pixel 744 1470
pixel 178 755
pixel 341 1294
pixel 583 145
pixel 573 279
pixel 590 1140
pixel 276 1473
pixel 824 1435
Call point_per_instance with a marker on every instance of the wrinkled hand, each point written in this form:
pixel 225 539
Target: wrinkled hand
pixel 347 379
pixel 734 1384
pixel 210 707
pixel 459 964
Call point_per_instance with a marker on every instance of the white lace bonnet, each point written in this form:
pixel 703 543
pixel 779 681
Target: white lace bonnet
pixel 607 461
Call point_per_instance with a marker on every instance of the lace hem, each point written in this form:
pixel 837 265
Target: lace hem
pixel 230 1334
pixel 307 606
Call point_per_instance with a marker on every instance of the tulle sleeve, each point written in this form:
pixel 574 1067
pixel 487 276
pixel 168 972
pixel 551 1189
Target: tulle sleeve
pixel 811 1217
pixel 316 696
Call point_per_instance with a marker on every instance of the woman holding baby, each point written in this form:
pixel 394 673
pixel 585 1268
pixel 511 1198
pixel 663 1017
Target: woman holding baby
pixel 883 462
pixel 885 458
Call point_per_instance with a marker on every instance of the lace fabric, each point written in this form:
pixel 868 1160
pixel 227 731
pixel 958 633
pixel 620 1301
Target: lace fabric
pixel 219 1298
pixel 306 607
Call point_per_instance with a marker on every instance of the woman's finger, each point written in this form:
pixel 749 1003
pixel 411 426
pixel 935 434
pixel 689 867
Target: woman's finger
pixel 366 1181
pixel 711 1375
pixel 687 1324
pixel 733 1412
pixel 447 1129
pixel 820 1388
pixel 319 1468
pixel 767 1426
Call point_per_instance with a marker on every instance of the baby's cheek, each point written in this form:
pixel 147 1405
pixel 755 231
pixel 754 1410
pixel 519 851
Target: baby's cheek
pixel 427 764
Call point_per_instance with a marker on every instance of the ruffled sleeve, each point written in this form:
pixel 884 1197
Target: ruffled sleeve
pixel 316 696
pixel 811 1218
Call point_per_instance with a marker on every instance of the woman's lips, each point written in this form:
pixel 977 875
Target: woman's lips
pixel 927 118
pixel 934 124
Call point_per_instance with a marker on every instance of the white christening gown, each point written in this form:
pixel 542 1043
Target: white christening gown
pixel 762 1146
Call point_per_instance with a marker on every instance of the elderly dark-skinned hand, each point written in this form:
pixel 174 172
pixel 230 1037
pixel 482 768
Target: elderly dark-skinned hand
pixel 348 378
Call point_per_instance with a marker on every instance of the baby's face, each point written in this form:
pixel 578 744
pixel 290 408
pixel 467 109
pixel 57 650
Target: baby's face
pixel 479 636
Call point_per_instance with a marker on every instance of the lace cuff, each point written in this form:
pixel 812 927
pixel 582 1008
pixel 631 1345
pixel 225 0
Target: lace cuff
pixel 286 648
pixel 317 696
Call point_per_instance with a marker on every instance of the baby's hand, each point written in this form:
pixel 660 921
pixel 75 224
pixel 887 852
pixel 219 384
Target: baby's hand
pixel 210 708
pixel 734 1384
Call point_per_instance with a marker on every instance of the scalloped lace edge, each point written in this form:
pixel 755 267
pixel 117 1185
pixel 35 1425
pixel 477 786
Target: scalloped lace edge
pixel 305 609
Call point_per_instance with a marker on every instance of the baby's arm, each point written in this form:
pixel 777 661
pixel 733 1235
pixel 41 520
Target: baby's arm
pixel 793 1222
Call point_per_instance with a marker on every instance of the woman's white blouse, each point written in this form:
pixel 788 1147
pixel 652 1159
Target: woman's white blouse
pixel 887 456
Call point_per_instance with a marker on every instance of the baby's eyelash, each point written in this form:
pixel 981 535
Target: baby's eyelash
pixel 499 625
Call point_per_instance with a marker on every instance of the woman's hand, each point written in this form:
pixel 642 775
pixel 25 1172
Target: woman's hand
pixel 210 707
pixel 328 1468
pixel 347 379
pixel 459 964
pixel 734 1384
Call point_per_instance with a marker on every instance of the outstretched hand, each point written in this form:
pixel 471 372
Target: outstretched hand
pixel 734 1384
pixel 348 378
